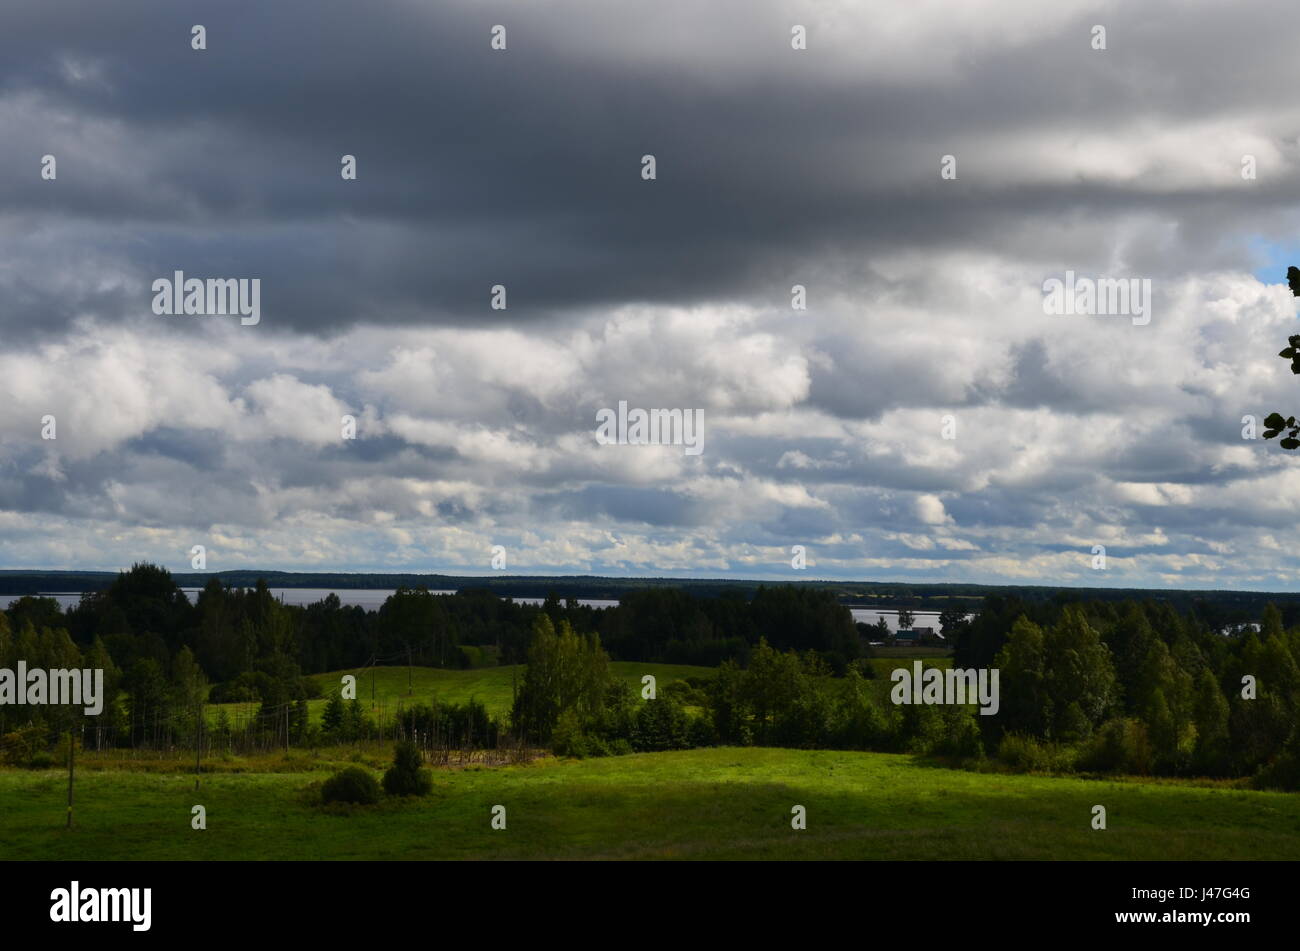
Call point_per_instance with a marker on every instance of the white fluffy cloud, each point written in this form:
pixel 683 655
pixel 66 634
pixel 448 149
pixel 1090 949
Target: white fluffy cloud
pixel 1122 435
pixel 822 427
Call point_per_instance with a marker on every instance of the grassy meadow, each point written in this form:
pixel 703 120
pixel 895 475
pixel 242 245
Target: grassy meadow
pixel 724 803
pixel 491 686
pixel 884 666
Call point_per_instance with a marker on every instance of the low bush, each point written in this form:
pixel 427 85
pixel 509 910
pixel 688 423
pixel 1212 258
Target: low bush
pixel 354 785
pixel 1119 746
pixel 1027 754
pixel 407 776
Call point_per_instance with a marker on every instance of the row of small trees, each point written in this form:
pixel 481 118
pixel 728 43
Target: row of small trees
pixel 1104 692
pixel 569 701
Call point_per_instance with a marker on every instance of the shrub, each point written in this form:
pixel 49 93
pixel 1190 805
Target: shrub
pixel 1120 746
pixel 332 719
pixel 569 738
pixel 701 732
pixel 961 738
pixel 248 687
pixel 22 744
pixel 1027 754
pixel 863 725
pixel 922 728
pixel 354 784
pixel 685 694
pixel 659 725
pixel 1284 772
pixel 407 776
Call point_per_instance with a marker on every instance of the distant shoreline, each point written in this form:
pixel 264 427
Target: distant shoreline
pixel 853 593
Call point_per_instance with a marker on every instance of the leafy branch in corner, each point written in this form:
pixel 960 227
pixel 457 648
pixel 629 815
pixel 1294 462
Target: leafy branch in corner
pixel 1275 423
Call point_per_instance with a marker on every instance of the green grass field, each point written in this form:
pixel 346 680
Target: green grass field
pixel 492 686
pixel 885 666
pixel 726 803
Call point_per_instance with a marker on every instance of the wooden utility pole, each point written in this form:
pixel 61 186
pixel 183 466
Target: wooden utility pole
pixel 198 745
pixel 71 747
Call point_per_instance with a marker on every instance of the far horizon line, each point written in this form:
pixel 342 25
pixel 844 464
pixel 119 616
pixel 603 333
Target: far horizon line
pixel 695 579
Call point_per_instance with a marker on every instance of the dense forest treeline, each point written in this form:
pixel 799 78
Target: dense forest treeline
pixel 1220 607
pixel 168 655
pixel 233 632
pixel 1136 686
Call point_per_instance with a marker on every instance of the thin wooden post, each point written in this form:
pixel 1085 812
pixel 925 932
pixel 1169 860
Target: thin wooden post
pixel 71 747
pixel 198 745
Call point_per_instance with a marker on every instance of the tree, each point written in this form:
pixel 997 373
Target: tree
pixel 189 689
pixel 1258 728
pixel 771 686
pixel 802 618
pixel 39 612
pixel 729 705
pixel 148 691
pixel 1278 673
pixel 1210 711
pixel 905 619
pixel 565 671
pixel 660 724
pixel 1276 423
pixel 407 776
pixel 331 720
pixel 1026 706
pixel 222 729
pixel 355 724
pixel 299 718
pixel 951 622
pixel 1131 641
pixel 57 652
pixel 189 685
pixel 1077 668
pixel 1161 727
pixel 110 723
pixel 413 622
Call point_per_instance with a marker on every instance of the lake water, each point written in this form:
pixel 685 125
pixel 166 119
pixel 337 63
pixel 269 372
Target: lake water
pixel 369 598
pixel 373 598
pixel 920 618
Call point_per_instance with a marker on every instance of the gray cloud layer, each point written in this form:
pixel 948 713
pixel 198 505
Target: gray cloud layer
pixel 775 167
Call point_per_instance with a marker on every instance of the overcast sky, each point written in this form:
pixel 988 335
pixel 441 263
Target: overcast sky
pixel 774 167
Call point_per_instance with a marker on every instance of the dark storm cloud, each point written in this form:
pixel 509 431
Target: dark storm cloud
pixel 522 167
